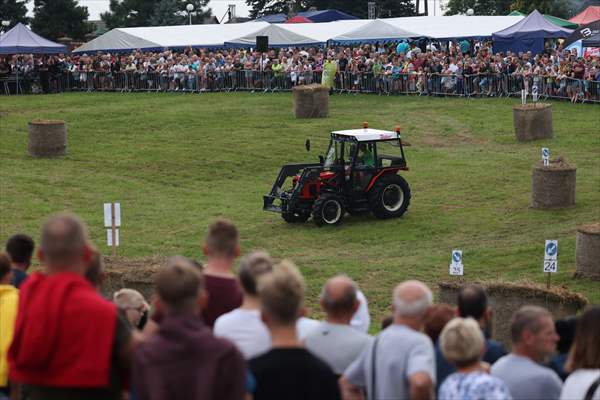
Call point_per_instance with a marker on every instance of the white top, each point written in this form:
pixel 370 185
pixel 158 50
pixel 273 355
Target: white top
pixel 578 383
pixel 246 330
pixel 368 134
pixel 338 345
pixel 400 353
pixel 361 319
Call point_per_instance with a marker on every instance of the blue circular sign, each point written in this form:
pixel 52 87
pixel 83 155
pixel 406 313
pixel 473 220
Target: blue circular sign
pixel 456 256
pixel 551 248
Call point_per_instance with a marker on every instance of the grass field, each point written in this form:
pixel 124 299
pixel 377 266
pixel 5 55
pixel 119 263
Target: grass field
pixel 176 162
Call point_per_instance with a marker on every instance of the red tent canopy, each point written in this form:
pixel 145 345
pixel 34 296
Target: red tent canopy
pixel 298 20
pixel 590 14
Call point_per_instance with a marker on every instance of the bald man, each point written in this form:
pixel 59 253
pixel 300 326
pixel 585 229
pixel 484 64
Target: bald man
pixel 335 341
pixel 400 364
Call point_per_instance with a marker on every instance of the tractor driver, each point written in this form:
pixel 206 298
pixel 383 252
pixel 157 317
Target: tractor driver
pixel 365 156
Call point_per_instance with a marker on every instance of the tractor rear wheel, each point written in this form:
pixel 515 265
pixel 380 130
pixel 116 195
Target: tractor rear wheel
pixel 296 217
pixel 328 209
pixel 389 197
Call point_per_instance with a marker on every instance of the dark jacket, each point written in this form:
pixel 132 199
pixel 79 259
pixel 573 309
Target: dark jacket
pixel 183 360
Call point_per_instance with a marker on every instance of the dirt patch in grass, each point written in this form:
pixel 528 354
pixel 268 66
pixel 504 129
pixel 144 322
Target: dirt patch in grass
pixel 132 273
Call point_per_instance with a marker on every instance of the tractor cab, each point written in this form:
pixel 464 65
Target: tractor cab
pixel 351 173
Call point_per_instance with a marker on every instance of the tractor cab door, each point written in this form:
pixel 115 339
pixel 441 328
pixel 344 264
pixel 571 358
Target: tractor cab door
pixel 364 167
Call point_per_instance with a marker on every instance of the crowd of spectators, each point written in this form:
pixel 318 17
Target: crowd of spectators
pixel 212 333
pixel 460 68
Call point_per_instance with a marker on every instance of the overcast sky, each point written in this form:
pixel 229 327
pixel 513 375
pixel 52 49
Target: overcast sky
pixel 219 7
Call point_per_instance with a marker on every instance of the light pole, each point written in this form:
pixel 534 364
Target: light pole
pixel 190 8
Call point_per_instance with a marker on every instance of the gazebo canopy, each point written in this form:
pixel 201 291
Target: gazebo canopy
pixel 590 14
pixel 278 37
pixel 375 31
pixel 21 39
pixel 298 19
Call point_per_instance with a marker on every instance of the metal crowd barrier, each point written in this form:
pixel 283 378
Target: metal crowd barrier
pixel 352 82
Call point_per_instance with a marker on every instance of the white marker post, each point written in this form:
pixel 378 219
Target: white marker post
pixel 546 156
pixel 112 220
pixel 456 264
pixel 523 96
pixel 550 259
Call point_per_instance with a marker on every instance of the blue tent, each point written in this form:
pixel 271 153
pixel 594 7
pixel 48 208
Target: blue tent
pixel 21 39
pixel 314 16
pixel 528 34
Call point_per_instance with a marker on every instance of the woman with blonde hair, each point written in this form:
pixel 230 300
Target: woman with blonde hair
pixel 584 359
pixel 463 345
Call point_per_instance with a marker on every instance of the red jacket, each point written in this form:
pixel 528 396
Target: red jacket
pixel 64 333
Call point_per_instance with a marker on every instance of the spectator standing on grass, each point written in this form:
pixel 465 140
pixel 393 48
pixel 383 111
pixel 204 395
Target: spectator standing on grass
pixel 534 338
pixel 69 342
pixel 183 360
pixel 20 249
pixel 584 359
pixel 462 344
pixel 243 325
pixel 473 303
pixel 221 248
pixel 335 341
pixel 288 371
pixel 9 299
pixel 400 364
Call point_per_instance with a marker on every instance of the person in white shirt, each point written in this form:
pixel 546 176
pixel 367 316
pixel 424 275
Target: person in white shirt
pixel 335 341
pixel 243 326
pixel 584 359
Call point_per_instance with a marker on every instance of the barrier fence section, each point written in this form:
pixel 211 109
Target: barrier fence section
pixel 382 83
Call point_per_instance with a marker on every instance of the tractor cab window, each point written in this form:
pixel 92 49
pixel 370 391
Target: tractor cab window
pixel 363 155
pixel 389 154
pixel 335 155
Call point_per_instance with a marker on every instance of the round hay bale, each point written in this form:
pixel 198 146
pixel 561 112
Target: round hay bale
pixel 506 298
pixel 311 101
pixel 553 185
pixel 533 121
pixel 47 138
pixel 587 251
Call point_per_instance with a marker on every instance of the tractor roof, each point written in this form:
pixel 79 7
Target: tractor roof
pixel 367 134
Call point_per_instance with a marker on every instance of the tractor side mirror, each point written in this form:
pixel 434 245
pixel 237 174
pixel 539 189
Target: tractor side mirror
pixel 307 144
pixel 321 159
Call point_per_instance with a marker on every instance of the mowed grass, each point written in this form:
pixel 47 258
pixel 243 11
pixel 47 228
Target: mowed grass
pixel 176 162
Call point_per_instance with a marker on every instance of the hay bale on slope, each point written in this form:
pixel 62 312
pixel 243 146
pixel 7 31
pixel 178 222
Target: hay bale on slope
pixel 311 101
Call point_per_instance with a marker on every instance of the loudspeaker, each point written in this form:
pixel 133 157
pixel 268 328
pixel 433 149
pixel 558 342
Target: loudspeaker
pixel 262 44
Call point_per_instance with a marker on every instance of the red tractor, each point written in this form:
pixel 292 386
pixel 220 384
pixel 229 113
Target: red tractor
pixel 358 174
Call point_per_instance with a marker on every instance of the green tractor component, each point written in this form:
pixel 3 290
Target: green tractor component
pixel 358 174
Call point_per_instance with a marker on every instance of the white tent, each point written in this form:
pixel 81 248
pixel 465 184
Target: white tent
pixel 345 31
pixel 376 30
pixel 455 26
pixel 210 35
pixel 278 37
pixel 325 31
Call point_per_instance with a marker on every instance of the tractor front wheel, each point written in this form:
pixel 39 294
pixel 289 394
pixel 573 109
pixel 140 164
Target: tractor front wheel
pixel 389 197
pixel 328 210
pixel 296 217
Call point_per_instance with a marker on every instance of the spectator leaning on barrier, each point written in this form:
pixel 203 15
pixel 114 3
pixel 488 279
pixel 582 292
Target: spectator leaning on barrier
pixel 288 371
pixel 243 326
pixel 69 343
pixel 221 248
pixel 534 338
pixel 400 363
pixel 584 359
pixel 462 344
pixel 335 341
pixel 9 299
pixel 20 248
pixel 183 360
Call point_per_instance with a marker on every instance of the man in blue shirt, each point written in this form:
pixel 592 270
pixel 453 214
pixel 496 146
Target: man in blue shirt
pixel 20 248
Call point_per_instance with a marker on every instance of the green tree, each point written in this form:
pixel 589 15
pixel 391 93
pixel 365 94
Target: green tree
pixel 168 12
pixel 126 13
pixel 558 8
pixel 57 18
pixel 479 7
pixel 259 8
pixel 395 8
pixel 13 11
